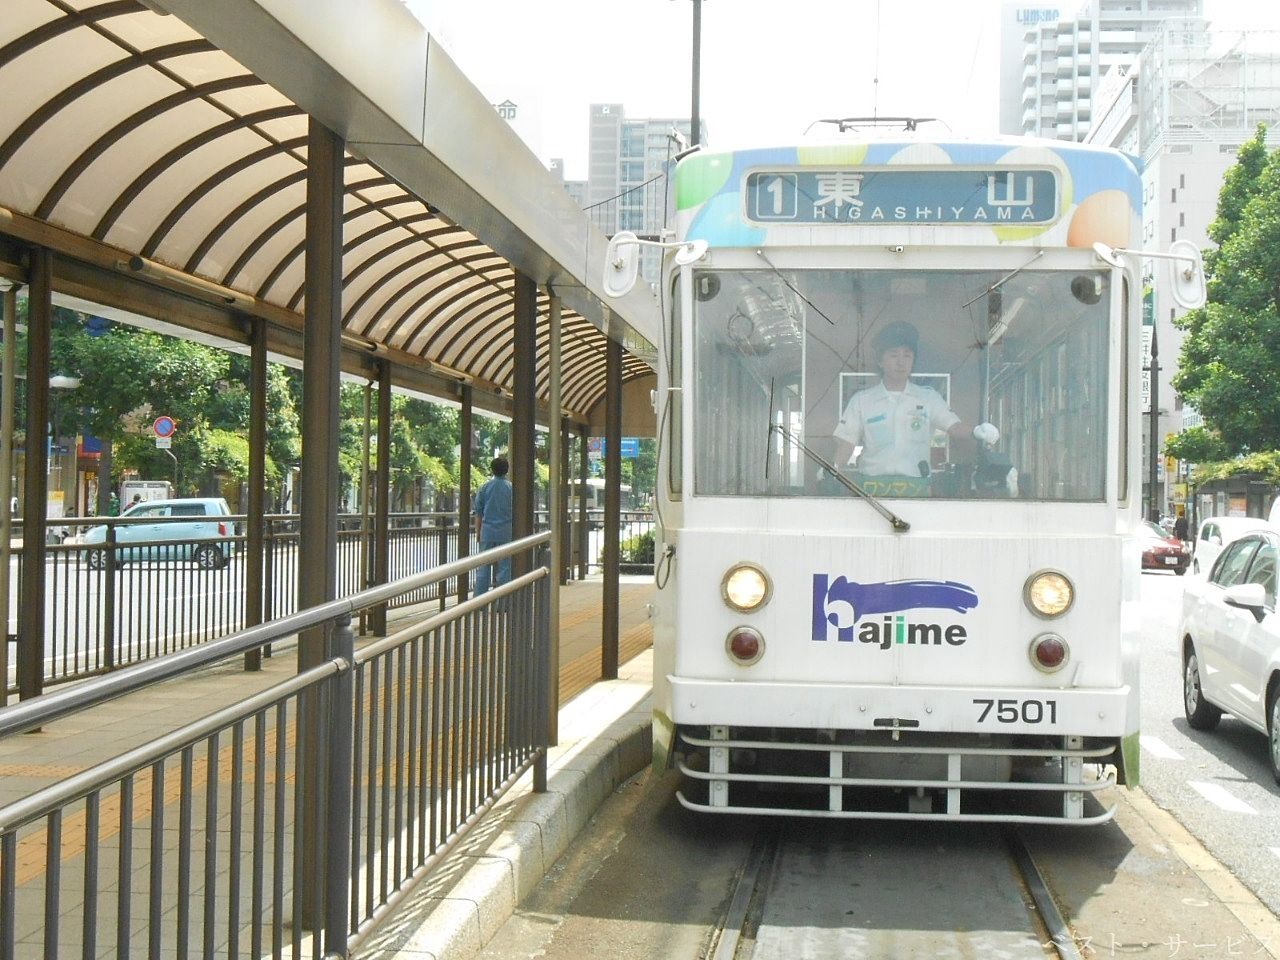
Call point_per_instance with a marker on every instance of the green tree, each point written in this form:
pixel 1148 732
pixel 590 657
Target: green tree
pixel 128 376
pixel 1230 360
pixel 492 438
pixel 1196 444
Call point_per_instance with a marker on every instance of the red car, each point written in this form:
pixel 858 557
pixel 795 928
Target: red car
pixel 1160 551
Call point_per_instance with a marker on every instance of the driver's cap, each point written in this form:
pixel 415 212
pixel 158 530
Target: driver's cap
pixel 897 334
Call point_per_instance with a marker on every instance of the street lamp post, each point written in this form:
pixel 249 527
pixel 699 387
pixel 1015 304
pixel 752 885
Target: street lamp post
pixel 1153 508
pixel 695 121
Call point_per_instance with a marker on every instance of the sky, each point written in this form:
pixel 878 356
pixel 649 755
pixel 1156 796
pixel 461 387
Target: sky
pixel 768 69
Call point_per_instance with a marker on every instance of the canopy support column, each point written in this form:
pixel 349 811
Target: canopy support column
pixel 35 500
pixel 257 484
pixel 321 347
pixel 8 401
pixel 318 510
pixel 366 446
pixel 566 534
pixel 555 514
pixel 584 532
pixel 466 441
pixel 612 508
pixel 382 498
pixel 523 474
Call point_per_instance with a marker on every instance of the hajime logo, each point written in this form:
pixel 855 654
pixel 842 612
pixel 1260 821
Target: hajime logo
pixel 839 605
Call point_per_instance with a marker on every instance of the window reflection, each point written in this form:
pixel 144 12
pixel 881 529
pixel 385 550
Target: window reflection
pixel 782 357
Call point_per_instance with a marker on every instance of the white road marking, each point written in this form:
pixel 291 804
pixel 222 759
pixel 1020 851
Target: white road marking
pixel 1158 748
pixel 1275 850
pixel 1221 797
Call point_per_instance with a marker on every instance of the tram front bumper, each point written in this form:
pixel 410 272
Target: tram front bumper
pixel 829 706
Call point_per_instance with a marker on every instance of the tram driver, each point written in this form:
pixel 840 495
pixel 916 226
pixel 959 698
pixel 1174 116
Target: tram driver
pixel 894 421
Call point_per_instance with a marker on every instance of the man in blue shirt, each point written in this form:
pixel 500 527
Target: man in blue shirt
pixel 492 512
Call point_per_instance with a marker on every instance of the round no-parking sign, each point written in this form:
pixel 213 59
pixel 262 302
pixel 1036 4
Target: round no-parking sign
pixel 164 427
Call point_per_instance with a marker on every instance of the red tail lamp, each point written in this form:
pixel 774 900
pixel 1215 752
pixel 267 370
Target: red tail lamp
pixel 1049 652
pixel 745 645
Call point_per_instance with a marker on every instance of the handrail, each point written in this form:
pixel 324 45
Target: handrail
pixel 379 647
pixel 79 785
pixel 36 712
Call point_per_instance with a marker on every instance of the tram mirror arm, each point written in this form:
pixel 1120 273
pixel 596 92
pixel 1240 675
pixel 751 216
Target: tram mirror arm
pixel 622 259
pixel 899 525
pixel 1188 288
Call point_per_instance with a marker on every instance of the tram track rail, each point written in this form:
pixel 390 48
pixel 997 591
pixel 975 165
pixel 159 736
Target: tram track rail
pixel 1042 897
pixel 735 937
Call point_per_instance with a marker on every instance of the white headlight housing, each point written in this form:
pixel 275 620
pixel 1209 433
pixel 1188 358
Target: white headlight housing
pixel 746 587
pixel 1048 594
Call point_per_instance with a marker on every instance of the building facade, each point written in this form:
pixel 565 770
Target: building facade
pixel 1184 108
pixel 627 165
pixel 577 189
pixel 1064 58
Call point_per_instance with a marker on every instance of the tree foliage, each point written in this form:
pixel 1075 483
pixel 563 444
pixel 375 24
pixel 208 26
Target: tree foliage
pixel 129 376
pixel 1230 360
pixel 1196 444
pixel 1266 465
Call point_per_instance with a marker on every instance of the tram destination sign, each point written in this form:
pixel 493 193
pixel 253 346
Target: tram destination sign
pixel 888 195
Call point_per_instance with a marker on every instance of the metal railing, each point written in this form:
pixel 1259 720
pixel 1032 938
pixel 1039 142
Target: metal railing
pixel 124 600
pixel 290 823
pixel 636 535
pixel 114 603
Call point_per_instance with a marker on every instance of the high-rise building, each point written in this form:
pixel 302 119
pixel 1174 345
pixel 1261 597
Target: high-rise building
pixel 627 167
pixel 577 189
pixel 1063 59
pixel 1184 107
pixel 1016 21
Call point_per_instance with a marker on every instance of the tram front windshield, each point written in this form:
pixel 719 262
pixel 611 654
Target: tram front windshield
pixel 798 372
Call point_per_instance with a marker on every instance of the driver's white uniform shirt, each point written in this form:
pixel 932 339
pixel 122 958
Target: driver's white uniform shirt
pixel 894 428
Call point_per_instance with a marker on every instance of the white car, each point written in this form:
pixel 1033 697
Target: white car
pixel 1230 637
pixel 1218 533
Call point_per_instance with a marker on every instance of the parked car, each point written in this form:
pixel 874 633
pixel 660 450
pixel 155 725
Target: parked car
pixel 1218 533
pixel 1230 639
pixel 1162 551
pixel 157 535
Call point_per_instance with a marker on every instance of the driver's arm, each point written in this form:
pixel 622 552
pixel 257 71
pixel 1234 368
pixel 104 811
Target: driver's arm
pixel 847 435
pixel 844 450
pixel 982 432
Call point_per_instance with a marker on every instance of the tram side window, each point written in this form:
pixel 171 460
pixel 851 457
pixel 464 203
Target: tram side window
pixel 672 403
pixel 1125 391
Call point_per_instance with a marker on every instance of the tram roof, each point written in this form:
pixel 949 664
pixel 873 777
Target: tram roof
pixel 163 159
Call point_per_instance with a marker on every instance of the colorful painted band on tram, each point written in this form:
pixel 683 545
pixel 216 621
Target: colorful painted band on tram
pixel 1005 193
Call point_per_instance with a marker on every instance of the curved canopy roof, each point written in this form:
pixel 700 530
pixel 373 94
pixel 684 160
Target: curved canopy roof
pixel 127 134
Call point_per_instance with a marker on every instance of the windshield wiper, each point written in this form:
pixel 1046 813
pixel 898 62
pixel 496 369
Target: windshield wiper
pixel 899 525
pixel 1003 280
pixel 792 287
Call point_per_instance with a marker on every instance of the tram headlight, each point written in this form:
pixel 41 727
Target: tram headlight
pixel 1048 594
pixel 746 587
pixel 744 645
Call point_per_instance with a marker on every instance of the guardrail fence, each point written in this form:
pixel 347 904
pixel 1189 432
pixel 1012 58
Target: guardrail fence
pixel 130 597
pixel 288 824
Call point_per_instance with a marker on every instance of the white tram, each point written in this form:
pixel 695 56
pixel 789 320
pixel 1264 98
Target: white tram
pixel 954 641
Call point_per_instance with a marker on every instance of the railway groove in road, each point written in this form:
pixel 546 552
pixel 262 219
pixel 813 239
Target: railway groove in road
pixel 799 894
pixel 648 875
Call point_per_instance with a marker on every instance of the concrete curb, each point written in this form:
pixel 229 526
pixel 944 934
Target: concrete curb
pixel 478 886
